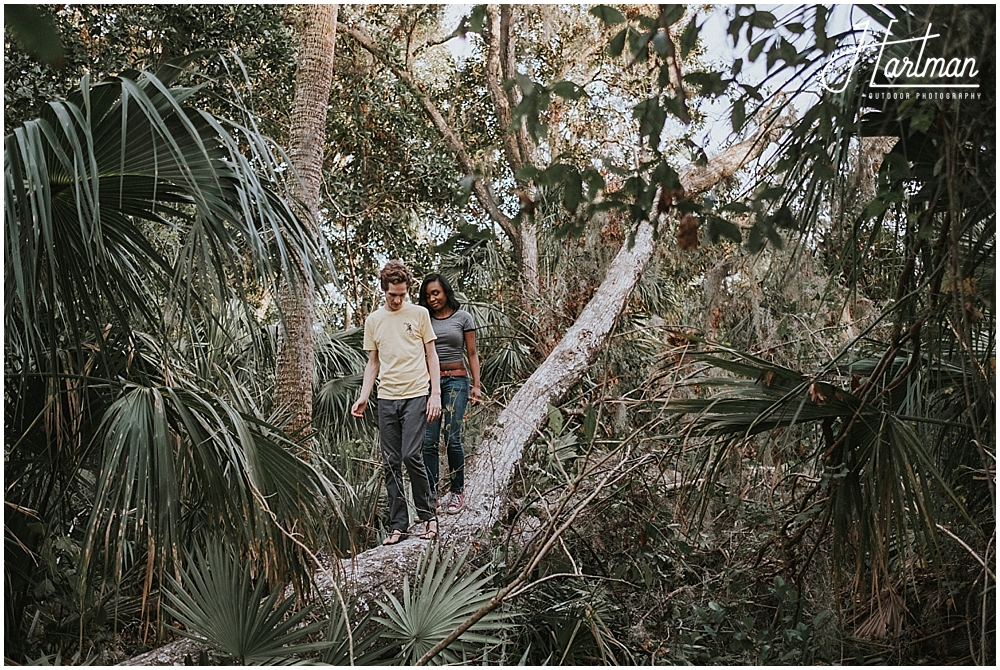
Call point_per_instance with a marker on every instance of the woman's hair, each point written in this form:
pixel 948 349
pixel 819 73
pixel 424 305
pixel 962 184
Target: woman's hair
pixel 449 293
pixel 395 272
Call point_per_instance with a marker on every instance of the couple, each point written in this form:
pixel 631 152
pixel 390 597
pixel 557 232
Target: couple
pixel 411 349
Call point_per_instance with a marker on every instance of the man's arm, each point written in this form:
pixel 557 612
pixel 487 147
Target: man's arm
pixel 371 373
pixel 434 369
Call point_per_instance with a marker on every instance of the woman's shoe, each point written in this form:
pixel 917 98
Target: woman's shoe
pixel 455 503
pixel 430 529
pixel 394 538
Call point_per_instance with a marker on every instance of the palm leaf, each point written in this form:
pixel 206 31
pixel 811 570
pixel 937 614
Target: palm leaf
pixel 79 180
pixel 128 217
pixel 164 447
pixel 361 647
pixel 219 604
pixel 440 602
pixel 881 482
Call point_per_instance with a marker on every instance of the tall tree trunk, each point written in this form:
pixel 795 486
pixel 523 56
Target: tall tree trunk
pixel 519 150
pixel 294 375
pixel 528 256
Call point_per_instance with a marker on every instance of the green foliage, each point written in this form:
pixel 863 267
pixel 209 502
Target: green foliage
pixel 574 625
pixel 105 40
pixel 881 483
pixel 220 604
pixel 354 468
pixel 58 659
pixel 35 32
pixel 633 190
pixel 884 459
pixel 717 634
pixel 134 417
pixel 440 601
pixel 351 643
pixel 239 467
pixel 340 364
pixel 85 173
pixel 608 14
pixel 389 183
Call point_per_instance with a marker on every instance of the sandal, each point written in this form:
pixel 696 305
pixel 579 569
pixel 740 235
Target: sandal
pixel 430 531
pixel 394 538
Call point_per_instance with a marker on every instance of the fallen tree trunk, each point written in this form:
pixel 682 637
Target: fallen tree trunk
pixel 518 423
pixel 489 477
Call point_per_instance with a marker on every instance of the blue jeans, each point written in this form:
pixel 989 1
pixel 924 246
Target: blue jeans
pixel 454 398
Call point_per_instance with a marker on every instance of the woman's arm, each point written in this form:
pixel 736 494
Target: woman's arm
pixel 475 393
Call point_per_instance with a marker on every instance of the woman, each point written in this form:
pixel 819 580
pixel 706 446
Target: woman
pixel 456 336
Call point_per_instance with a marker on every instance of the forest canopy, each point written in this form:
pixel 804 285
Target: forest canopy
pixel 732 271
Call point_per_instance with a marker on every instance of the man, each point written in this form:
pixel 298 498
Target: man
pixel 399 340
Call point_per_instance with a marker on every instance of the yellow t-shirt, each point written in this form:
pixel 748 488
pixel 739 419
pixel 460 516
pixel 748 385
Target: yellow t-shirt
pixel 399 337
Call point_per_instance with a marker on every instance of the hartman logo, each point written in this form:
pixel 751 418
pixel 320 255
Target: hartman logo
pixel 893 72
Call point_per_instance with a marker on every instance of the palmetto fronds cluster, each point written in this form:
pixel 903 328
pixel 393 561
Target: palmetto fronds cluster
pixel 217 602
pixel 136 228
pixel 895 431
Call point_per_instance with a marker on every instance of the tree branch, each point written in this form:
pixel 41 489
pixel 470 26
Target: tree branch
pixel 495 76
pixel 454 144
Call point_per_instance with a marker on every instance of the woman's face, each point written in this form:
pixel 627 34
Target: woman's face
pixel 436 299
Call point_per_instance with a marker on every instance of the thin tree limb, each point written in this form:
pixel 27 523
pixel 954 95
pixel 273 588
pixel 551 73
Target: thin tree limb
pixel 543 551
pixel 451 140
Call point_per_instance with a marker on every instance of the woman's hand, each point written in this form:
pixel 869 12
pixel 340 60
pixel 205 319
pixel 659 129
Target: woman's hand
pixel 475 395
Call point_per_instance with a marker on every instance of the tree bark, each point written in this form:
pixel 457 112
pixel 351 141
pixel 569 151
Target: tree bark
pixel 294 372
pixel 496 66
pixel 517 146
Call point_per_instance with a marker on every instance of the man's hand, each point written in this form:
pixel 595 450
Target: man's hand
pixel 359 407
pixel 433 407
pixel 371 372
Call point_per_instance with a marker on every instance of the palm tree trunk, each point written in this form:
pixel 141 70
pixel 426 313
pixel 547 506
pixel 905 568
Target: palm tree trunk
pixel 294 374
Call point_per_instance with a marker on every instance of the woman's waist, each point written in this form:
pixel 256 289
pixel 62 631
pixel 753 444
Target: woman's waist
pixel 453 369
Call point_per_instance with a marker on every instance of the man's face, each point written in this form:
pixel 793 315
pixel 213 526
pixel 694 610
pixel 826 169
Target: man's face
pixel 395 295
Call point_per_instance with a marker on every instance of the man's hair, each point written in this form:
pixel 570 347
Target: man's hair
pixel 395 272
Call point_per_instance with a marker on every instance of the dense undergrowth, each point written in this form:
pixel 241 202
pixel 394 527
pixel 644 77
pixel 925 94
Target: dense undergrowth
pixel 707 552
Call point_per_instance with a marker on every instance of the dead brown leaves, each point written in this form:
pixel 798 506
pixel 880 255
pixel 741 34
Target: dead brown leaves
pixel 687 232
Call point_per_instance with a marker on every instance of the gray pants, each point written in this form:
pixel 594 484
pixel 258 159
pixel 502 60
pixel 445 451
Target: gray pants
pixel 401 426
